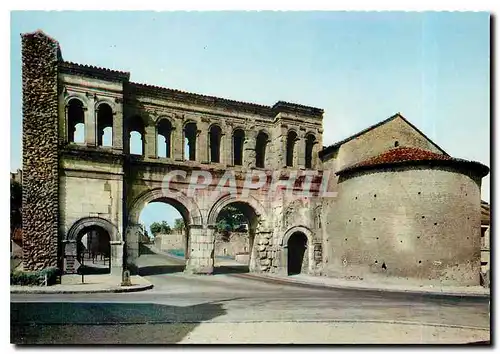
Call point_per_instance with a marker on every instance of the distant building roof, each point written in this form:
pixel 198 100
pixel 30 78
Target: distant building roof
pixel 485 213
pixel 411 155
pixel 330 148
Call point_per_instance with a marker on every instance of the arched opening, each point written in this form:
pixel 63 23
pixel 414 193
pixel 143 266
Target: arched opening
pixel 290 148
pixel 238 140
pixel 104 125
pixel 163 237
pixel 214 140
pixel 190 133
pixel 164 138
pixel 136 135
pixel 76 121
pixel 260 149
pixel 296 257
pixel 94 250
pixel 310 141
pixel 234 238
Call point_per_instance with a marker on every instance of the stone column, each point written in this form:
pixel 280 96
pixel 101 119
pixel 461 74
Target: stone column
pixel 177 141
pixel 150 141
pixel 300 149
pixel 90 122
pixel 249 149
pixel 116 257
pixel 202 250
pixel 227 152
pixel 118 125
pixel 202 148
pixel 131 246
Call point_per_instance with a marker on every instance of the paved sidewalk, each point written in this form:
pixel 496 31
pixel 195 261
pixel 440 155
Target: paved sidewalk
pixel 96 283
pixel 375 285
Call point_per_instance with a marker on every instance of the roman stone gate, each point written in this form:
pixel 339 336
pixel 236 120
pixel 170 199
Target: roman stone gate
pixel 98 147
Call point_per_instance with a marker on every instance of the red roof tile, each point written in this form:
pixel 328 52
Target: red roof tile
pixel 402 155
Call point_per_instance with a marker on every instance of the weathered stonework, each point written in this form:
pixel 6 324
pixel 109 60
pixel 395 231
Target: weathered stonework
pixel 40 211
pixel 71 187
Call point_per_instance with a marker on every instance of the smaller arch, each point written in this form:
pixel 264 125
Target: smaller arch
pixel 310 141
pixel 291 139
pixel 190 132
pixel 83 100
pixel 164 130
pixel 75 120
pixel 106 101
pixel 104 113
pixel 135 124
pixel 87 222
pixel 228 199
pixel 214 141
pixel 173 196
pixel 298 228
pixel 238 140
pixel 261 143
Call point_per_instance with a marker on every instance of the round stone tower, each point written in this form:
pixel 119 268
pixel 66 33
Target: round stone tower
pixel 408 213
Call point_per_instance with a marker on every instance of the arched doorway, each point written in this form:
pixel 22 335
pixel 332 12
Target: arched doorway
pixel 234 237
pixel 94 250
pixel 190 215
pixel 296 256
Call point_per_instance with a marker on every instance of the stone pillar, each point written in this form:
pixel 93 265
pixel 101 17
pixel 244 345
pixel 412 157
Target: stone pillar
pixel 202 148
pixel 249 149
pixel 116 257
pixel 131 245
pixel 118 126
pixel 201 257
pixel 177 141
pixel 300 148
pixel 90 122
pixel 40 177
pixel 150 141
pixel 227 145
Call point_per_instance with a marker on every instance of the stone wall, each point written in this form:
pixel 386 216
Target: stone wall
pixel 40 151
pixel 170 242
pixel 380 139
pixel 238 243
pixel 413 222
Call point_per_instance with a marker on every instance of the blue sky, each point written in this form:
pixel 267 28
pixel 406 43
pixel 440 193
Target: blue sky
pixel 360 67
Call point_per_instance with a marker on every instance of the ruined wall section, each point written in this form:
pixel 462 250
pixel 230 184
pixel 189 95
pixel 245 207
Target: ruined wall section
pixel 40 154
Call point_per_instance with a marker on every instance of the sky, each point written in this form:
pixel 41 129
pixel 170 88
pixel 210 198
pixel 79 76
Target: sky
pixel 360 67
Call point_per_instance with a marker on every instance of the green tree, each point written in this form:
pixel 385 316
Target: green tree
pixel 178 225
pixel 16 201
pixel 160 228
pixel 230 218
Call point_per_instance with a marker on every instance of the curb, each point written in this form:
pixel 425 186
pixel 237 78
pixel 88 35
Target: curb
pixel 358 288
pixel 134 288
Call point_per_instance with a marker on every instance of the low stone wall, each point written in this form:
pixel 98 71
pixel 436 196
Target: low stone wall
pixel 238 243
pixel 166 242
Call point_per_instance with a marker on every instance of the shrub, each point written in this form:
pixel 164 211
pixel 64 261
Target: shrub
pixel 36 278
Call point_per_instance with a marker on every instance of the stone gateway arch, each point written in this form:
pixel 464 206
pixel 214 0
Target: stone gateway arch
pixel 402 201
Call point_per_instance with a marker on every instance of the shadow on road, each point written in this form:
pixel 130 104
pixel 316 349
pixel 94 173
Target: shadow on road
pixel 160 269
pixel 106 323
pixel 234 269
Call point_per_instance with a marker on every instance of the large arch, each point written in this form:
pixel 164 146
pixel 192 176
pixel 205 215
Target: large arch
pixel 298 229
pixel 256 216
pixel 171 196
pixel 186 206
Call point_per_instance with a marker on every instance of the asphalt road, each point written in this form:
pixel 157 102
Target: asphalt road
pixel 179 303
